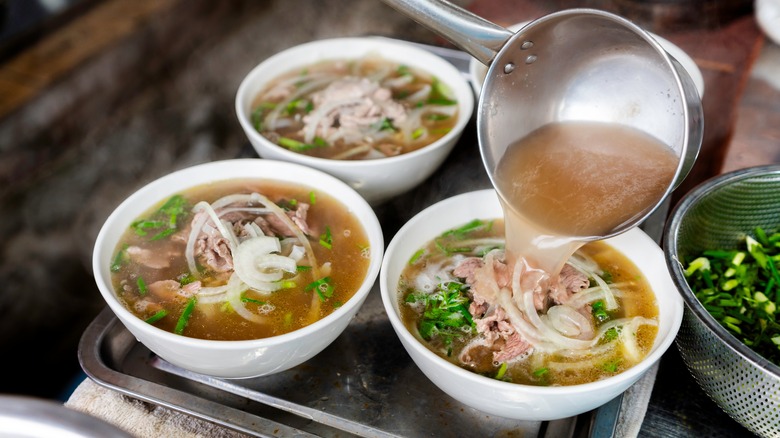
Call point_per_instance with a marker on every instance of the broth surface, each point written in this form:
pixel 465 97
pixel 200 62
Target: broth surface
pixel 322 281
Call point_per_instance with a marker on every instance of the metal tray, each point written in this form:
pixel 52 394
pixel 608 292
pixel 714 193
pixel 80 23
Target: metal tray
pixel 364 384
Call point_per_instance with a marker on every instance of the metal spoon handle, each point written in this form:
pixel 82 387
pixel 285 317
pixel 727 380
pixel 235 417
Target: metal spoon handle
pixel 472 33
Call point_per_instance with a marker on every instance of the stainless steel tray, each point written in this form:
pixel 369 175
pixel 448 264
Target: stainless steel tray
pixel 364 384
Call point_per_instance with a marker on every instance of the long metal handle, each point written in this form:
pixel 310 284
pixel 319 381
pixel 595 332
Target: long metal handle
pixel 472 33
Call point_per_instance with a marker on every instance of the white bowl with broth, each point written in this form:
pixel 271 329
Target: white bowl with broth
pixel 376 179
pixel 245 357
pixel 502 398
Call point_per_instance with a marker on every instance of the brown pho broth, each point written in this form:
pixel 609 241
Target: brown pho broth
pixel 568 181
pixel 292 307
pixel 357 109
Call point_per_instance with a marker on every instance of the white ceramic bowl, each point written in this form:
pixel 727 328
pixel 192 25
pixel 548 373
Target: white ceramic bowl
pixel 477 70
pixel 236 359
pixel 376 180
pixel 505 399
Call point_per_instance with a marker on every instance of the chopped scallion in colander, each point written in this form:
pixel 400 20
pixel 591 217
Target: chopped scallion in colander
pixel 741 289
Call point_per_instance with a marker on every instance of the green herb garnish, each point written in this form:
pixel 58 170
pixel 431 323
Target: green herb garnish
pixel 119 258
pixel 326 238
pixel 157 316
pixel 185 316
pixel 501 371
pixel 740 288
pixel 416 256
pixel 599 312
pixel 142 289
pixel 165 220
pixel 252 300
pixel 611 366
pixel 323 287
pixel 445 313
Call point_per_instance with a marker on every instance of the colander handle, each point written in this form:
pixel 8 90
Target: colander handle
pixel 481 38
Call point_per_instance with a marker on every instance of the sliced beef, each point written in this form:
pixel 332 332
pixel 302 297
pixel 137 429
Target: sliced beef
pixel 169 290
pixel 348 106
pixel 497 336
pixel 213 252
pixel 149 258
pixel 570 281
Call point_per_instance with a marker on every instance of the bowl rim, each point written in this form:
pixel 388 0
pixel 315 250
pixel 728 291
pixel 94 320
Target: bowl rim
pixel 356 203
pixel 466 100
pixel 629 375
pixel 693 304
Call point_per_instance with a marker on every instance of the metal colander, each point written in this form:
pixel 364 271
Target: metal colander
pixel 718 214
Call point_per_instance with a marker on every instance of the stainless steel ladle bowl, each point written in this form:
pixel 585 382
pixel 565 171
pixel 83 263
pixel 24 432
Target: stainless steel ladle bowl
pixel 576 64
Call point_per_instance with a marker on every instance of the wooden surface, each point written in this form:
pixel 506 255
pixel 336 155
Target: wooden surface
pixel 37 67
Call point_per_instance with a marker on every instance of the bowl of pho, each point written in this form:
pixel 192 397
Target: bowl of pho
pixel 377 113
pixel 514 341
pixel 239 268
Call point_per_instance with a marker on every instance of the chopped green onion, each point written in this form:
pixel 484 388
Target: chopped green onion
pixel 157 316
pixel 599 311
pixel 142 289
pixel 323 287
pixel 326 239
pixel 501 371
pixel 120 258
pixel 186 279
pixel 185 316
pixel 252 300
pixel 416 256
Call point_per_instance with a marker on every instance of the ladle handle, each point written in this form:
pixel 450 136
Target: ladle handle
pixel 472 33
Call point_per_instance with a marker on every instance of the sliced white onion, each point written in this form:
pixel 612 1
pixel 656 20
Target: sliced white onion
pixel 295 229
pixel 233 295
pixel 231 238
pixel 189 251
pixel 567 321
pixel 258 267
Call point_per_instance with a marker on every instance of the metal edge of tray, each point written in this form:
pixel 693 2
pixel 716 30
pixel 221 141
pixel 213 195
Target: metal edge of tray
pixel 92 361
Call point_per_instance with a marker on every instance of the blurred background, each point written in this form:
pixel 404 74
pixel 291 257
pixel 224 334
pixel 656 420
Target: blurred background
pixel 99 97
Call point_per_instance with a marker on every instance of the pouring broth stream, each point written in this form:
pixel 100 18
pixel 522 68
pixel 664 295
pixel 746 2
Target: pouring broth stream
pixel 567 183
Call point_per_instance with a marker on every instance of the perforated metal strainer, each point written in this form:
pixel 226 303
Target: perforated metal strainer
pixel 718 214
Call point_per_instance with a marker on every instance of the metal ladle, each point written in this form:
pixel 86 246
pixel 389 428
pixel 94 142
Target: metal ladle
pixel 576 64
